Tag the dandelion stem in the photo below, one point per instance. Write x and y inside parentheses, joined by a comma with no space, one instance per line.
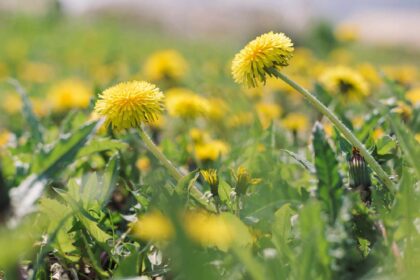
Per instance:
(173,171)
(374,165)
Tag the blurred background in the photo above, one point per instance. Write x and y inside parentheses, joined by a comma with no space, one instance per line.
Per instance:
(390,22)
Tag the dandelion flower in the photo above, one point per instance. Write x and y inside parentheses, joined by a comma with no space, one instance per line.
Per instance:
(167,64)
(129,104)
(267,113)
(209,229)
(296,122)
(153,226)
(186,104)
(345,82)
(243,180)
(211,150)
(211,177)
(69,94)
(5,137)
(413,96)
(270,51)
(143,164)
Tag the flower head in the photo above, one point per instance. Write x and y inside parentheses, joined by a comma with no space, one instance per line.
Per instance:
(243,180)
(413,96)
(166,64)
(186,104)
(346,82)
(296,122)
(267,113)
(210,151)
(69,94)
(211,178)
(253,63)
(153,226)
(129,104)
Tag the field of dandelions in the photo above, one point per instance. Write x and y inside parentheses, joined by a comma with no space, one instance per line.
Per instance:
(128,154)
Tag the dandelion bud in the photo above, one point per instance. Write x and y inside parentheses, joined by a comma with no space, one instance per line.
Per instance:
(211,178)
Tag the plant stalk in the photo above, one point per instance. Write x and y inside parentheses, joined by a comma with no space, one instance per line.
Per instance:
(173,171)
(374,165)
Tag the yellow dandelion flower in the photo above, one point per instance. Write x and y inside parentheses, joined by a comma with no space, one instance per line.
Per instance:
(417,137)
(402,74)
(210,151)
(240,119)
(143,164)
(296,122)
(153,226)
(186,104)
(243,180)
(346,82)
(167,64)
(404,110)
(217,109)
(211,177)
(209,229)
(369,72)
(378,133)
(198,135)
(260,56)
(267,113)
(413,96)
(69,94)
(129,104)
(5,137)
(12,103)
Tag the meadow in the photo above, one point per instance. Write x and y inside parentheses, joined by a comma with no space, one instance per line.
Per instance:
(134,154)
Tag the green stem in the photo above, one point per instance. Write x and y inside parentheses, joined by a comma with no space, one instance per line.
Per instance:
(173,171)
(374,165)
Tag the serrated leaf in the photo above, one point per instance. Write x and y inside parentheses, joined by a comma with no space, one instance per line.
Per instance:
(281,229)
(35,126)
(54,158)
(305,163)
(329,180)
(408,144)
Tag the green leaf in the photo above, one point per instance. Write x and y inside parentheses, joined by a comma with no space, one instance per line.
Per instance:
(330,185)
(35,126)
(99,145)
(305,163)
(282,229)
(186,182)
(408,144)
(385,145)
(109,179)
(224,192)
(55,158)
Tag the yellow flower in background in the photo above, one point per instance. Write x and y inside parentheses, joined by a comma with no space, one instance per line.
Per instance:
(403,74)
(217,109)
(12,103)
(198,135)
(296,122)
(328,128)
(346,82)
(130,104)
(347,33)
(153,226)
(253,63)
(240,119)
(417,137)
(209,229)
(143,164)
(5,137)
(69,94)
(166,64)
(413,96)
(210,151)
(369,72)
(378,133)
(186,104)
(404,110)
(267,113)
(358,121)
(36,72)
